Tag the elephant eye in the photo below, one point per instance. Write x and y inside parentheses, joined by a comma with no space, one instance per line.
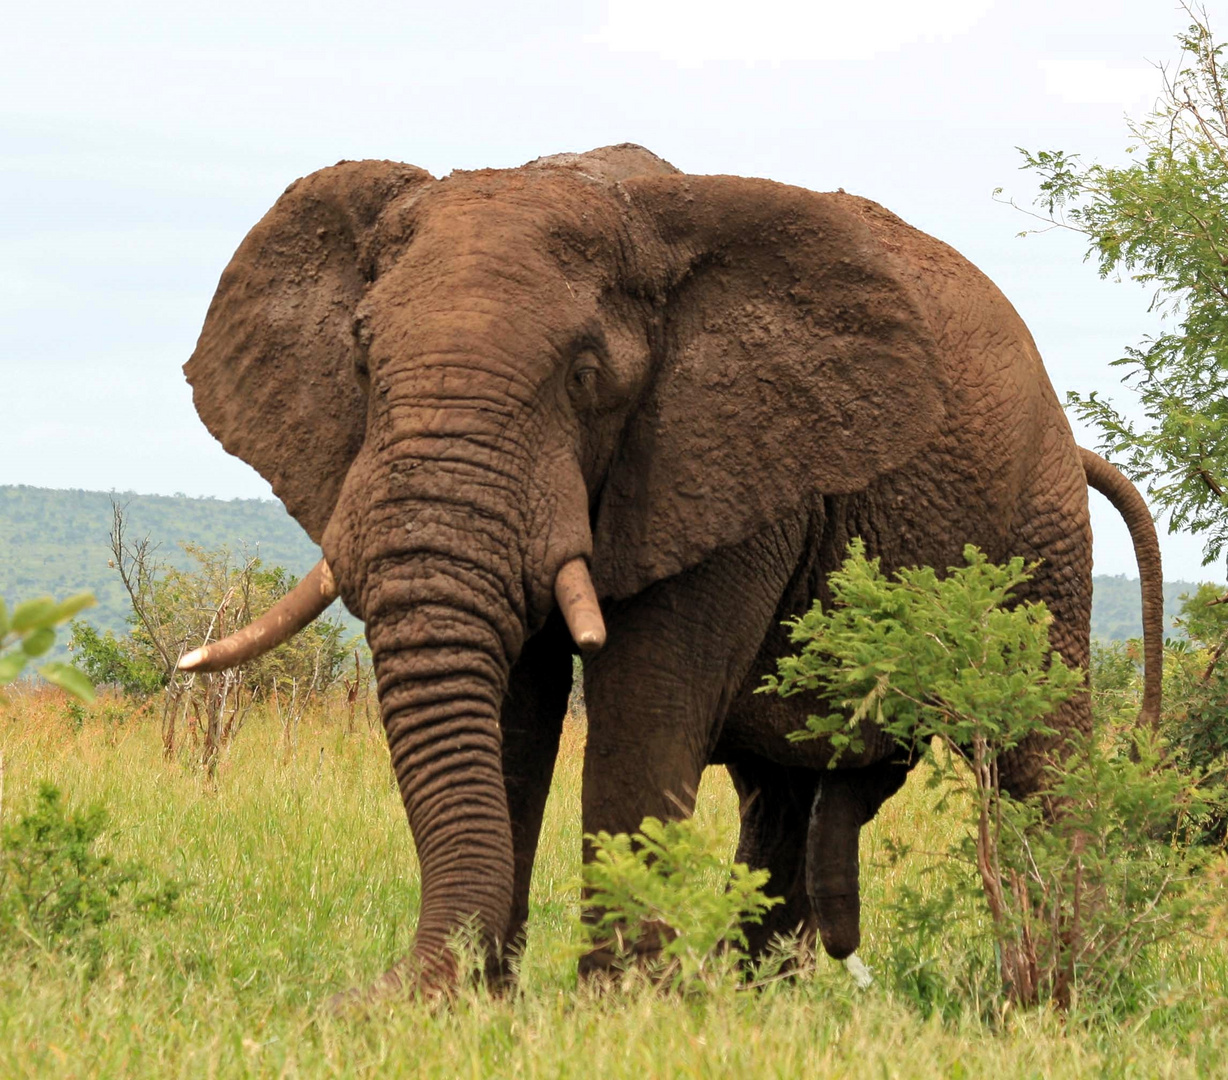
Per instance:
(582,385)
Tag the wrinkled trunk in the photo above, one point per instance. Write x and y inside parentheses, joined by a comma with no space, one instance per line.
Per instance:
(440,693)
(443,604)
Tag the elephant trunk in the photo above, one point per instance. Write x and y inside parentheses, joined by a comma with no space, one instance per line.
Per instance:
(440,554)
(442,670)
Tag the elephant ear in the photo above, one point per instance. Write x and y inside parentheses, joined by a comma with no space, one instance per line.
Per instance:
(793,361)
(273,371)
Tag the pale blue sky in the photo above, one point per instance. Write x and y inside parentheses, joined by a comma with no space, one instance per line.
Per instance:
(139,141)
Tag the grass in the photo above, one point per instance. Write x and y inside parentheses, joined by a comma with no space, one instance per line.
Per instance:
(301,881)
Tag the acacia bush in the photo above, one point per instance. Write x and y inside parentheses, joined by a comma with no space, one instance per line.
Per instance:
(957,673)
(57,891)
(176,609)
(1162,219)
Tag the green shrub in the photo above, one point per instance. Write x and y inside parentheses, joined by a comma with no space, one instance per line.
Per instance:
(1079,880)
(1196,702)
(108,660)
(30,633)
(56,889)
(672,884)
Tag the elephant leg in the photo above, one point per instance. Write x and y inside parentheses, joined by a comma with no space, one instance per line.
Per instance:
(775,804)
(846,799)
(656,695)
(531,722)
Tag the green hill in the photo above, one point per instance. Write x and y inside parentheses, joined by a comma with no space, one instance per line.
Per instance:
(1117,607)
(56,542)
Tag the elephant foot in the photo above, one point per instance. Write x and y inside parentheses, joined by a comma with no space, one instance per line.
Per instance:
(404,982)
(617,955)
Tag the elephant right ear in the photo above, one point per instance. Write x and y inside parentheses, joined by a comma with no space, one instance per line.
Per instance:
(273,371)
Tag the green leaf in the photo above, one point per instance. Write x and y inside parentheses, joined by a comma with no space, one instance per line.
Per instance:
(66,609)
(68,678)
(37,642)
(33,614)
(4,619)
(11,665)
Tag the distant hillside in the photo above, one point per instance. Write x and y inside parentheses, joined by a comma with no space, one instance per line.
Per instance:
(56,542)
(1117,607)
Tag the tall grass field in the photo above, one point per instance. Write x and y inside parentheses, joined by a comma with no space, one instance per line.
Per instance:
(298,880)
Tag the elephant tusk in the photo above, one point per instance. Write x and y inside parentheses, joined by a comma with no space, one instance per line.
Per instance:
(280,623)
(573,589)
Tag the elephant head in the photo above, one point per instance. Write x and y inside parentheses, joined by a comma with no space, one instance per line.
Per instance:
(461,387)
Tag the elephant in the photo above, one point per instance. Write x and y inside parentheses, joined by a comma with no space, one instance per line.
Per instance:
(596,404)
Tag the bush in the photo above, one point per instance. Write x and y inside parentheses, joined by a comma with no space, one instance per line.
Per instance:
(175,610)
(1079,879)
(56,889)
(672,884)
(30,633)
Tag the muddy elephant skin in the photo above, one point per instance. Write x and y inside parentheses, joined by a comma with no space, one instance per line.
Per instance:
(704,387)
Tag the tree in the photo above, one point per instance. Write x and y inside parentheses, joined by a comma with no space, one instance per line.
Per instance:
(174,610)
(1163,220)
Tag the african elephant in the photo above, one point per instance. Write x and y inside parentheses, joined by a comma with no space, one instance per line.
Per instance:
(595,394)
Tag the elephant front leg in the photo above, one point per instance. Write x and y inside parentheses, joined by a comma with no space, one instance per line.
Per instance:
(659,691)
(531,722)
(846,800)
(644,757)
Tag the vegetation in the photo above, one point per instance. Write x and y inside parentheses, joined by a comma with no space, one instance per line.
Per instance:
(301,881)
(1163,220)
(30,633)
(175,610)
(673,880)
(1078,881)
(1117,610)
(56,891)
(57,542)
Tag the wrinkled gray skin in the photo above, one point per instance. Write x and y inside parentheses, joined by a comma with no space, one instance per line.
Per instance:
(706,386)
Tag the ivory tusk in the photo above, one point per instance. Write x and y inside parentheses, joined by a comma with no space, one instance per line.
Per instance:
(280,623)
(573,589)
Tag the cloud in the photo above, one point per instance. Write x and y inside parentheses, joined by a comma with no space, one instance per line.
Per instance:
(691,33)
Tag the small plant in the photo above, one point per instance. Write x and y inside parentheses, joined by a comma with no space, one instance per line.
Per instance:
(56,888)
(30,633)
(672,884)
(1079,878)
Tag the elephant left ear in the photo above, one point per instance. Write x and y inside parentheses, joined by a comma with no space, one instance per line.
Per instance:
(793,361)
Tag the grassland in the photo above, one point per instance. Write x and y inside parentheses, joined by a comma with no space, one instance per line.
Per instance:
(301,881)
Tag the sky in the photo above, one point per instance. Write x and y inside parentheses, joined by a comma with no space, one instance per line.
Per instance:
(139,141)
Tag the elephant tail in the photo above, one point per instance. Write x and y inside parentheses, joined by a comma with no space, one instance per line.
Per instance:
(1115,487)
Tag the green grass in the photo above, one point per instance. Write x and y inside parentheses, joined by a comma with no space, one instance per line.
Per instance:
(302,882)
